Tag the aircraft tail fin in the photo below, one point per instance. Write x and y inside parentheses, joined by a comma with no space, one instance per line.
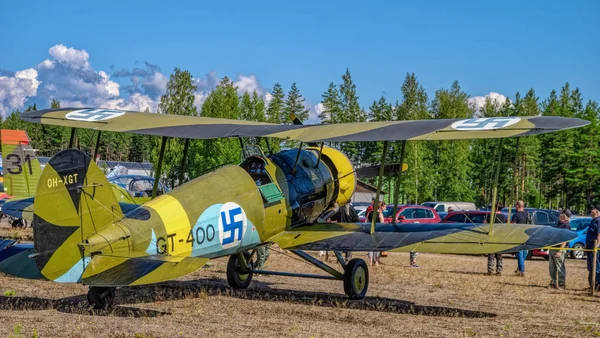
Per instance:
(20,165)
(74,200)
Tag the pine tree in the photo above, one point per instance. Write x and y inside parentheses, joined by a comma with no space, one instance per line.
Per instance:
(332,105)
(178,100)
(454,184)
(222,102)
(275,111)
(294,104)
(351,112)
(246,107)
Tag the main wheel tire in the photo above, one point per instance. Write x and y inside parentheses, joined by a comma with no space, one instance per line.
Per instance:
(101,298)
(236,278)
(577,252)
(356,279)
(529,255)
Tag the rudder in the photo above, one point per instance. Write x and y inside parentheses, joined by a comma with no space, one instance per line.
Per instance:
(73,201)
(20,165)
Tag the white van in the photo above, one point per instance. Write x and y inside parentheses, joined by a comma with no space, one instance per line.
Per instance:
(443,206)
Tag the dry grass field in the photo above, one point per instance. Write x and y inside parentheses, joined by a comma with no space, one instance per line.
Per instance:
(449,296)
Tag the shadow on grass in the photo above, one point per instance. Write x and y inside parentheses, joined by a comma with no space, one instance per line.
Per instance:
(74,305)
(205,288)
(262,291)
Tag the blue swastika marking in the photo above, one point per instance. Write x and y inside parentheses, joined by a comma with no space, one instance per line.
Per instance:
(484,123)
(93,114)
(231,225)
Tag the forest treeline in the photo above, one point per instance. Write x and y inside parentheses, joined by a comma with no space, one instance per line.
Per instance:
(555,170)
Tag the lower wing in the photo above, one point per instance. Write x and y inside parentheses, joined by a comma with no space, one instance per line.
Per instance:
(438,237)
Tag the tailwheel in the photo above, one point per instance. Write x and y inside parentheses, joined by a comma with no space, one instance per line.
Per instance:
(238,275)
(356,279)
(101,298)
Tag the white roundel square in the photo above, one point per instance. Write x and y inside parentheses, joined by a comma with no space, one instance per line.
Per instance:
(485,123)
(93,115)
(232,225)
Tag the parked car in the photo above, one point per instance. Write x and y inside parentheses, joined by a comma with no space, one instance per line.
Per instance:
(467,217)
(360,207)
(580,226)
(443,206)
(408,214)
(539,216)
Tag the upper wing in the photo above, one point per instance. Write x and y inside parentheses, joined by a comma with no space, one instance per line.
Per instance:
(196,127)
(439,238)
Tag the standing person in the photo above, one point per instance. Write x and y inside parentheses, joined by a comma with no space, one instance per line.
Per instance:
(497,257)
(346,214)
(369,211)
(520,217)
(262,254)
(593,235)
(558,270)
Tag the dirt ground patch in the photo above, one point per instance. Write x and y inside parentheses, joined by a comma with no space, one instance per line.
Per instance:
(448,296)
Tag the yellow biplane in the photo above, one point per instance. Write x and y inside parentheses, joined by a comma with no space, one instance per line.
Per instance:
(82,235)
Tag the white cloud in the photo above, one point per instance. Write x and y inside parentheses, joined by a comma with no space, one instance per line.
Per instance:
(249,84)
(15,90)
(73,57)
(479,101)
(313,115)
(68,76)
(268,98)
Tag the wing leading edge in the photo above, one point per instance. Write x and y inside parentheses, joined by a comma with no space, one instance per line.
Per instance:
(434,238)
(196,127)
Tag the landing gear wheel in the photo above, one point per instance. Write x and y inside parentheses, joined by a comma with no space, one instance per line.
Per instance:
(356,279)
(236,276)
(101,298)
(529,255)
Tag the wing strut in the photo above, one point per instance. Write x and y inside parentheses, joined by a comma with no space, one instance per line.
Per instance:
(186,148)
(158,172)
(495,189)
(97,146)
(72,138)
(379,183)
(397,185)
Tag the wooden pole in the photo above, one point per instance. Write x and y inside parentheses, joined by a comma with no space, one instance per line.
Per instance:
(593,286)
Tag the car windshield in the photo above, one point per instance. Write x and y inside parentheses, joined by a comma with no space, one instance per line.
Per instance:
(429,205)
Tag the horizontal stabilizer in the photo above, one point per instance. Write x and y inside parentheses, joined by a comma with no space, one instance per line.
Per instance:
(138,269)
(15,260)
(19,208)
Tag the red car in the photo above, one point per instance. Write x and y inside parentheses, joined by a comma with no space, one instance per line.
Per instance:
(408,214)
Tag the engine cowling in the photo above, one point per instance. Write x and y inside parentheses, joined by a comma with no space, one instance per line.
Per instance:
(316,182)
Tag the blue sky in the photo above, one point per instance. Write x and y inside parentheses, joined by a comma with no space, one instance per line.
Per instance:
(500,47)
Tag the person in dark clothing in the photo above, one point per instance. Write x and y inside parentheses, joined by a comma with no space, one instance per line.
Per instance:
(346,214)
(556,258)
(592,239)
(497,257)
(520,217)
